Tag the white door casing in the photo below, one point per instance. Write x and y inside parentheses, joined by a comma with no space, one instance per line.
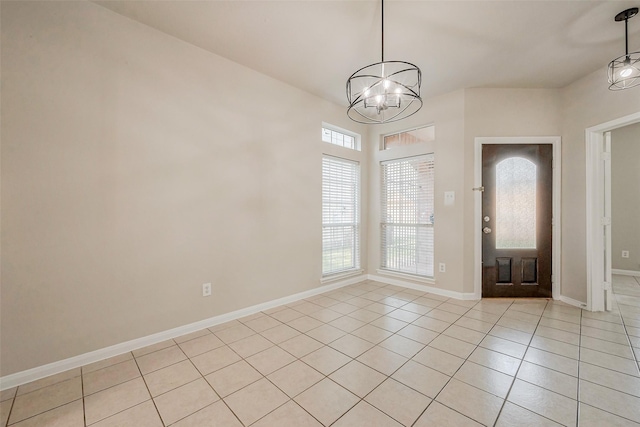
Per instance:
(556,237)
(598,211)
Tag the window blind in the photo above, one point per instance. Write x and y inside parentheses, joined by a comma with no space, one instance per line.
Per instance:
(340,215)
(407,215)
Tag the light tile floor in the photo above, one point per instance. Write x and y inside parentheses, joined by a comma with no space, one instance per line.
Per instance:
(365,355)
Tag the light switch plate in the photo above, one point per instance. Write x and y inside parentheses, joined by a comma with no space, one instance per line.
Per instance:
(449,198)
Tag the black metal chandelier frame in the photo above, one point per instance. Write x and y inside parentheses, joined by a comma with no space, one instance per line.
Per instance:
(375,97)
(624,71)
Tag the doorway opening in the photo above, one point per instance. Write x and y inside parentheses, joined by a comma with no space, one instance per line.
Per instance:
(554,142)
(598,233)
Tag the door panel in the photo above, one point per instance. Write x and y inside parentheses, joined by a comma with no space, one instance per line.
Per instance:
(517,219)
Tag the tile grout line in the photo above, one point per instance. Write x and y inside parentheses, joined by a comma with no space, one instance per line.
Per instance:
(265,376)
(346,333)
(451,376)
(624,325)
(147,386)
(579,380)
(13,401)
(81,376)
(362,399)
(399,367)
(84,409)
(325,376)
(521,360)
(515,376)
(123,362)
(580,362)
(353,359)
(110,387)
(220,398)
(43,412)
(209,384)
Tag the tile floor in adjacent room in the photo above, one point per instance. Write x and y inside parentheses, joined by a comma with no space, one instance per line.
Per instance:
(365,355)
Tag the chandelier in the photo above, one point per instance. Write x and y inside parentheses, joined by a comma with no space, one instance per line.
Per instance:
(624,71)
(386,91)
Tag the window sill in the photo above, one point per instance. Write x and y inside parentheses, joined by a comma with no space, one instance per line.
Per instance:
(421,279)
(342,275)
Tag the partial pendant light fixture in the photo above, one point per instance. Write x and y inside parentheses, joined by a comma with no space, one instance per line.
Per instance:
(384,92)
(624,71)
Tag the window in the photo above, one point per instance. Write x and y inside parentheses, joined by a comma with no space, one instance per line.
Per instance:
(415,136)
(407,215)
(340,215)
(340,138)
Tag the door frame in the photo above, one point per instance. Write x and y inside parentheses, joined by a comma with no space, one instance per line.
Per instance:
(596,192)
(555,141)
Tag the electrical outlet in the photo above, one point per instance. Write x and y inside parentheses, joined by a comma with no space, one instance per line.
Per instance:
(625,254)
(206,290)
(442,267)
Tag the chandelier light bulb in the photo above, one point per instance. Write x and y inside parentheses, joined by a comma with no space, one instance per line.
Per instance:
(387,83)
(626,72)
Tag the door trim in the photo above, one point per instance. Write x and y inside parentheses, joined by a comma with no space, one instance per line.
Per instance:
(555,225)
(595,244)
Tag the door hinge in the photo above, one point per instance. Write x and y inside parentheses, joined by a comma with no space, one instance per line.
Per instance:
(480,189)
(607,286)
(606,220)
(552,278)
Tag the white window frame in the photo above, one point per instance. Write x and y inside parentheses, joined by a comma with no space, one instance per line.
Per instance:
(355,224)
(383,141)
(338,130)
(426,223)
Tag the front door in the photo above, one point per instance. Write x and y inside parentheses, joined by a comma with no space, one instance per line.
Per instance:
(517,219)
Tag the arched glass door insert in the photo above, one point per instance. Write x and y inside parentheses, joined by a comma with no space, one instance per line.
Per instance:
(515,225)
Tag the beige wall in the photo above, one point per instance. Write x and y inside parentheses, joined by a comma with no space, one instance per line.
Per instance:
(447,114)
(625,197)
(585,103)
(501,113)
(136,167)
(505,112)
(459,118)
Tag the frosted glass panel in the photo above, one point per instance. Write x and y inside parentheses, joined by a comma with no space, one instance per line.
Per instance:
(515,225)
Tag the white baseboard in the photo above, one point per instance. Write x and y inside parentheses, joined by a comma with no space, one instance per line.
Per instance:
(423,288)
(573,302)
(23,377)
(625,272)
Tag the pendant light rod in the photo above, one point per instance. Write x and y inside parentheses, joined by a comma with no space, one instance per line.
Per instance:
(626,35)
(626,15)
(382,26)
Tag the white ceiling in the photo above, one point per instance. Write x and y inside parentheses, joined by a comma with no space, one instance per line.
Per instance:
(317,45)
